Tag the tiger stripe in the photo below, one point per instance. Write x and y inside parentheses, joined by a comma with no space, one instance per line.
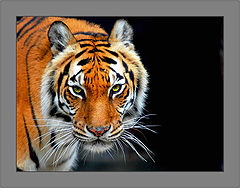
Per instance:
(30,99)
(33,155)
(37,23)
(19,32)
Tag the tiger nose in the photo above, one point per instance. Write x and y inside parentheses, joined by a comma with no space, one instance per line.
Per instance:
(99,130)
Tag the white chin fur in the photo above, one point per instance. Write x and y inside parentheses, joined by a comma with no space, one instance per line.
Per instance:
(97,147)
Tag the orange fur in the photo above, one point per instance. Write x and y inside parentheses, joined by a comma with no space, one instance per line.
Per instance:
(37,59)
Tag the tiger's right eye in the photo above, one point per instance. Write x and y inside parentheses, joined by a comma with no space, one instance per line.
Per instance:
(77,89)
(116,88)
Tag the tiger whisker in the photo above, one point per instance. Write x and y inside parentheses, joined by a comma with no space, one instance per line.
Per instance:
(59,150)
(52,125)
(131,123)
(134,149)
(152,125)
(140,143)
(141,126)
(50,142)
(61,154)
(121,146)
(139,118)
(146,127)
(48,133)
(84,158)
(92,155)
(115,144)
(53,150)
(54,120)
(110,154)
(62,145)
(41,136)
(55,141)
(74,141)
(115,150)
(48,152)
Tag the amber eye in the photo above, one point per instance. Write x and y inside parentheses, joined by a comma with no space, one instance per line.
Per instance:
(77,89)
(116,88)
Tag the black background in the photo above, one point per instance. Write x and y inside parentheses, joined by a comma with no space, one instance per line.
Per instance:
(182,57)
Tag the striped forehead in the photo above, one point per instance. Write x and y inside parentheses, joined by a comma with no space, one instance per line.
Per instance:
(100,68)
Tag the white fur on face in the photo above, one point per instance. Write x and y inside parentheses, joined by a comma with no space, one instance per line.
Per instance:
(97,147)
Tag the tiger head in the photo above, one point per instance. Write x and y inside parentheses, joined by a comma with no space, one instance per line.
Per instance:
(96,84)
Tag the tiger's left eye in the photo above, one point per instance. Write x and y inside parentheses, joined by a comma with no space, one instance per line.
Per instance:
(77,89)
(116,88)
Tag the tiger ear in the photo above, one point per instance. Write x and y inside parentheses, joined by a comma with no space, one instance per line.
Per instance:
(122,32)
(60,37)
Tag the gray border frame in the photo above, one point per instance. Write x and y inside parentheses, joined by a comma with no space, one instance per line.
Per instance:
(228,8)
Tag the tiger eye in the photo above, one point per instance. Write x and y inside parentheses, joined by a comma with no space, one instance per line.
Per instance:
(116,88)
(77,89)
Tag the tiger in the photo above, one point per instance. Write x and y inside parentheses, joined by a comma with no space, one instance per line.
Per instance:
(77,88)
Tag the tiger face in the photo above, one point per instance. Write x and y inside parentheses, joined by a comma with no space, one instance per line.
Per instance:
(95,83)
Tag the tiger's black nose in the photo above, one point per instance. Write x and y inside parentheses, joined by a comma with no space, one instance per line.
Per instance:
(99,130)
